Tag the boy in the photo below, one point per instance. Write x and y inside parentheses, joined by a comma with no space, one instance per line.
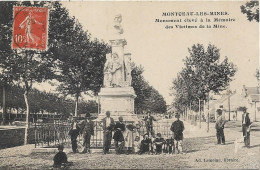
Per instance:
(169,146)
(60,158)
(145,145)
(158,143)
(177,128)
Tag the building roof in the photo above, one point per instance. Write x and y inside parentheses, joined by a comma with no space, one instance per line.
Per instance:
(236,101)
(251,90)
(255,97)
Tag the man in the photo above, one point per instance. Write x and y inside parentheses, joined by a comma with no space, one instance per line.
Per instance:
(87,131)
(246,125)
(220,122)
(118,135)
(177,128)
(149,123)
(74,132)
(108,125)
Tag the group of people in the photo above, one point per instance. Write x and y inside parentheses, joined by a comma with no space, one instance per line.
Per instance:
(246,127)
(126,138)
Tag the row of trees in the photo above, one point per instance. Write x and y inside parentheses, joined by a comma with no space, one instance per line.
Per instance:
(147,98)
(44,102)
(203,72)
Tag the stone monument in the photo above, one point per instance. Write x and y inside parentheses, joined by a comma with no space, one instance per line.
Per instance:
(117,94)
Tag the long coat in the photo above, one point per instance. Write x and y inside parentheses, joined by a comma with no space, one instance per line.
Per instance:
(119,129)
(129,138)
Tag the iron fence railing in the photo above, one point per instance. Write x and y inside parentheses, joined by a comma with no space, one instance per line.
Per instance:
(57,132)
(51,133)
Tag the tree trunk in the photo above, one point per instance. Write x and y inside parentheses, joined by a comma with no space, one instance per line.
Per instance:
(76,105)
(4,106)
(208,114)
(27,116)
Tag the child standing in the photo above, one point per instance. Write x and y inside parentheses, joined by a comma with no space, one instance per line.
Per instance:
(129,138)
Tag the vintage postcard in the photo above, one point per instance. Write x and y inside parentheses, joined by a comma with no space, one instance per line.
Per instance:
(129,85)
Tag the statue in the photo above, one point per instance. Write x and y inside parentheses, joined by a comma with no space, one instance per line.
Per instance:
(128,69)
(108,71)
(117,78)
(117,24)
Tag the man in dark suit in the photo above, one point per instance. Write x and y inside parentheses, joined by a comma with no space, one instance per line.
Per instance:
(149,123)
(177,128)
(219,126)
(87,130)
(74,132)
(246,124)
(108,126)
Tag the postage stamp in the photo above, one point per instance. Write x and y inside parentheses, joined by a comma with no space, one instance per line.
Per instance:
(30,28)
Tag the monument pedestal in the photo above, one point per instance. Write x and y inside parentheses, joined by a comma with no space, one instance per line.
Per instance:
(119,101)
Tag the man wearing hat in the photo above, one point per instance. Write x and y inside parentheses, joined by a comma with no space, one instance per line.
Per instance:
(108,126)
(177,128)
(87,131)
(149,123)
(246,125)
(74,132)
(220,122)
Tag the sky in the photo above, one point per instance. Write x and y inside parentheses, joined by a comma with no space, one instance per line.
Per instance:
(161,51)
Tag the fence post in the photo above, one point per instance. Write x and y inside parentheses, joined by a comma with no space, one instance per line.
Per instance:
(54,132)
(48,139)
(35,134)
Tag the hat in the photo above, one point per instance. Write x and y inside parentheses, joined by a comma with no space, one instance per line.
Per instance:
(87,115)
(243,109)
(145,134)
(219,111)
(60,147)
(130,127)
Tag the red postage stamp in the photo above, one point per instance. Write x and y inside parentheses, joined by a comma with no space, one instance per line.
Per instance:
(30,28)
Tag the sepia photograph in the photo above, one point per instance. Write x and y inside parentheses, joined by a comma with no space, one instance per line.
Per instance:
(129,84)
